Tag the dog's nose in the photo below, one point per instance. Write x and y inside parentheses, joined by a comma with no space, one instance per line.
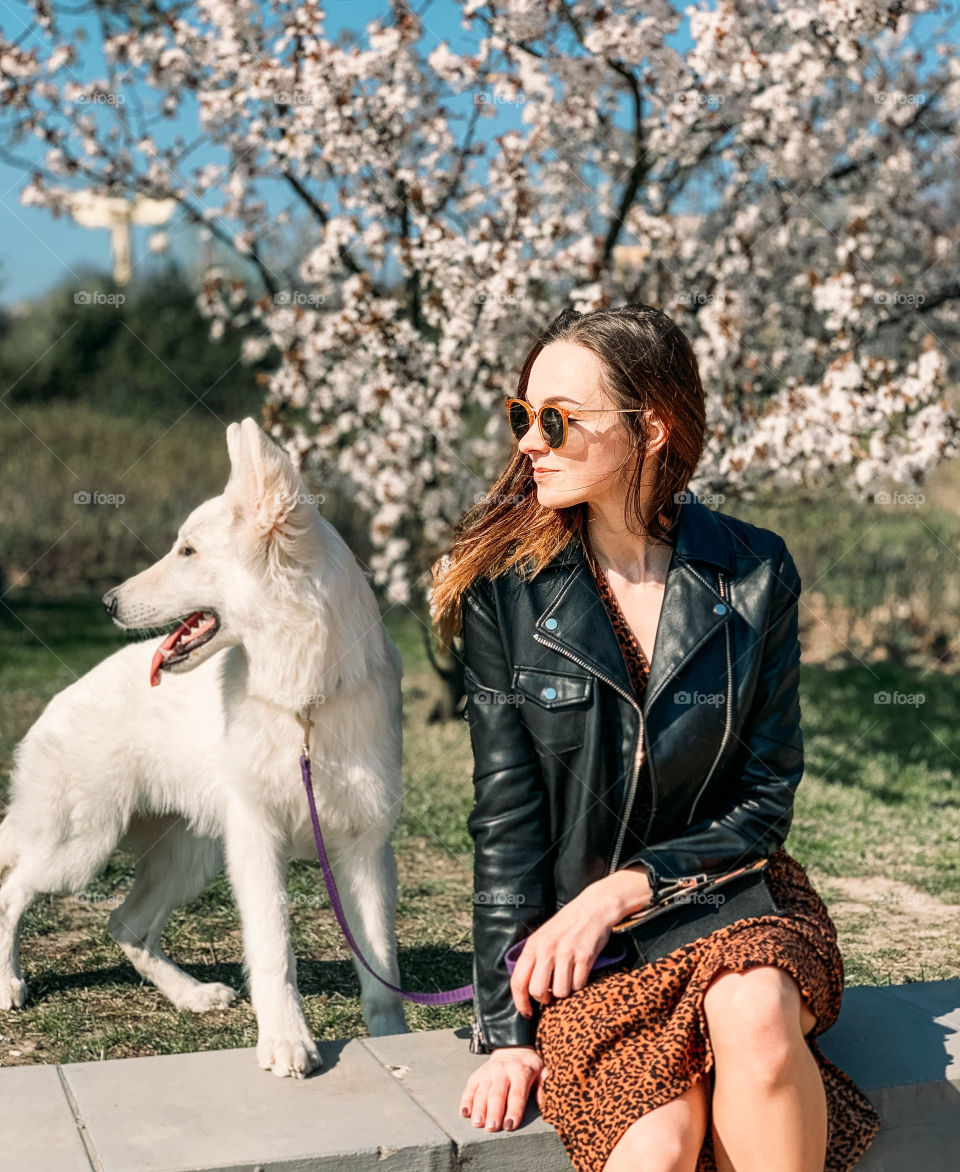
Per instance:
(110,602)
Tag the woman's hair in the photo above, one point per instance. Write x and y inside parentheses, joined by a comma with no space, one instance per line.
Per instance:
(646,361)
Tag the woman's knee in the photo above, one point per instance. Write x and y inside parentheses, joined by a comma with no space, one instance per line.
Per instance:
(668,1138)
(757,1013)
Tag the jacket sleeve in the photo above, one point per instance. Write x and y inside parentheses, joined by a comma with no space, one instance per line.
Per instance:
(508,824)
(758,822)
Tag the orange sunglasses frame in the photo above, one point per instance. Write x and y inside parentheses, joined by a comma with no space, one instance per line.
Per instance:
(565,413)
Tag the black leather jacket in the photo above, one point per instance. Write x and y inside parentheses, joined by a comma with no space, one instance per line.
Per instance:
(558,737)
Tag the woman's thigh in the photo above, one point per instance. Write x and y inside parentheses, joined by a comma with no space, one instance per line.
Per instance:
(668,1138)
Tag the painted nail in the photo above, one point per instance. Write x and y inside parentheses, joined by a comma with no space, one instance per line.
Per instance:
(508,1124)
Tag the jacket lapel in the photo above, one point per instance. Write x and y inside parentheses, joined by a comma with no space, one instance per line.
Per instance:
(577,625)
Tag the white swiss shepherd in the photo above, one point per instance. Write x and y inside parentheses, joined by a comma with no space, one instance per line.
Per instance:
(279,616)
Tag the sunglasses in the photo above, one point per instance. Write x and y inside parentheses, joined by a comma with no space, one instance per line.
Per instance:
(552,420)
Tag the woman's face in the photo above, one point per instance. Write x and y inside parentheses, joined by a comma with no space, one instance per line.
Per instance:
(596,462)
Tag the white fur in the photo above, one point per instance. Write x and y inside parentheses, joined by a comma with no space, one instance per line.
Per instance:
(205,766)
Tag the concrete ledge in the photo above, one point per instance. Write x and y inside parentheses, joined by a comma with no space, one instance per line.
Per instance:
(391,1103)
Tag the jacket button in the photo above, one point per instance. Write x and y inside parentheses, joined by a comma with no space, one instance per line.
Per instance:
(550,693)
(719,609)
(551,624)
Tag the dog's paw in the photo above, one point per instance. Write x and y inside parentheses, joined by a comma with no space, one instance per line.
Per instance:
(203,998)
(292,1058)
(13,993)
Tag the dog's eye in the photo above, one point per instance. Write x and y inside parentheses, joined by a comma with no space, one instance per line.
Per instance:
(186,550)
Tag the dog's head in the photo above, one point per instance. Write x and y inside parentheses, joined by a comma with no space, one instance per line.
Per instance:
(227,563)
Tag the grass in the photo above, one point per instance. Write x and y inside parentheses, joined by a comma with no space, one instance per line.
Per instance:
(876,824)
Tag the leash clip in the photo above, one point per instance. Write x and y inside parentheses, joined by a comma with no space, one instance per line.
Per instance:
(306,724)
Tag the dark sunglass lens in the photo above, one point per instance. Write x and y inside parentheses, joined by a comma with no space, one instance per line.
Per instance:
(552,426)
(519,420)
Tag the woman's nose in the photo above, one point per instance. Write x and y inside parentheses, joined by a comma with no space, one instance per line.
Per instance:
(532,440)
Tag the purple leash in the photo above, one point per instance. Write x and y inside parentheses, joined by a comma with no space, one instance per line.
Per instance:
(450,996)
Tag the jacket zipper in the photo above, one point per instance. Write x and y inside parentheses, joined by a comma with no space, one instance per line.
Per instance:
(478,1043)
(729,720)
(639,751)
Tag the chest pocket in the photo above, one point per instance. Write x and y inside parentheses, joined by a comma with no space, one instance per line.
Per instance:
(554,706)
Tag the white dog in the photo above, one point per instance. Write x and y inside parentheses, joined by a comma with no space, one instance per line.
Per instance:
(279,618)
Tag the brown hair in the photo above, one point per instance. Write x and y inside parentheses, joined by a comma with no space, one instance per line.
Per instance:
(645,361)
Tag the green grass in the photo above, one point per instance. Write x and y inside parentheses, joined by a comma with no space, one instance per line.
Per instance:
(877,811)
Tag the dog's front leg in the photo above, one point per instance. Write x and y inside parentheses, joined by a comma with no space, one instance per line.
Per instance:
(256,865)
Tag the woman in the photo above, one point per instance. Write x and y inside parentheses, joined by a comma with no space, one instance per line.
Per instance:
(631,664)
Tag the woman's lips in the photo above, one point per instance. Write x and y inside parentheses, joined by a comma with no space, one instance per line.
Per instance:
(544,471)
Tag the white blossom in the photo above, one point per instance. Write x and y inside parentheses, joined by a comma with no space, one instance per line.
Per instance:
(783,218)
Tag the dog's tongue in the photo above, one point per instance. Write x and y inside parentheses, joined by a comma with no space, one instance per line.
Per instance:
(166,647)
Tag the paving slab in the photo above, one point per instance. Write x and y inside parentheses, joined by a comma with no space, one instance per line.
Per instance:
(37,1124)
(885,1037)
(392,1103)
(940,1000)
(218,1110)
(901,1045)
(433,1068)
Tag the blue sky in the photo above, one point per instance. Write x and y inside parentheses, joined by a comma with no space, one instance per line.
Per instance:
(38,251)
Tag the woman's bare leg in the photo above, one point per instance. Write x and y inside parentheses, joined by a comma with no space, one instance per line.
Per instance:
(769,1108)
(666,1139)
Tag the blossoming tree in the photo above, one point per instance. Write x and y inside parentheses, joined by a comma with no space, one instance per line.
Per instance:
(768,174)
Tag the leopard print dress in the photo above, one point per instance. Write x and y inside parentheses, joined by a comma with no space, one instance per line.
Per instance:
(630,1041)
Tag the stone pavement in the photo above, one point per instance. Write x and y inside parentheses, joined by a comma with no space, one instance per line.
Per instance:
(390,1103)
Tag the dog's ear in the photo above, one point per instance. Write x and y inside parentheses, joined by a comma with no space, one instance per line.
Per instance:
(263,480)
(242,484)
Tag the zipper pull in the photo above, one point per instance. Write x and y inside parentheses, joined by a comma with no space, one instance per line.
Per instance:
(476,1038)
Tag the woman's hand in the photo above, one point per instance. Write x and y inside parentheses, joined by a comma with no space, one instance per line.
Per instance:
(497,1091)
(556,959)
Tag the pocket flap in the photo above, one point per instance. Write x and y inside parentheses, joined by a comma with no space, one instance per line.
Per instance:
(553,689)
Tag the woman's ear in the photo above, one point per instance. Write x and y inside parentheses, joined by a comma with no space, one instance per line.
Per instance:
(656,433)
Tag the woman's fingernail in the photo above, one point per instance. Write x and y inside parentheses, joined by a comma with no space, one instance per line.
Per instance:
(464,1112)
(508,1124)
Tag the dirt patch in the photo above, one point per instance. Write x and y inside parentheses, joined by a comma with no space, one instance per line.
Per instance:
(906,933)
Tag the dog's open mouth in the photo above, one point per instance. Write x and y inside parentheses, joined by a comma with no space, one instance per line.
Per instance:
(195,630)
